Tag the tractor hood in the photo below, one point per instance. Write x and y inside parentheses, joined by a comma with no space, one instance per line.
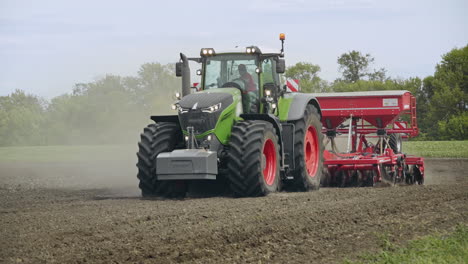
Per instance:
(205,100)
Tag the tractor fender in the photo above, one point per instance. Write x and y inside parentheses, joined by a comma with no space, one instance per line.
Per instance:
(276,124)
(166,118)
(299,104)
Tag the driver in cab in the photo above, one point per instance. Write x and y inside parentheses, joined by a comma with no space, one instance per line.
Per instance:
(247,78)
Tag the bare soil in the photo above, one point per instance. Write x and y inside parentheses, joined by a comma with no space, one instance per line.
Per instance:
(92,213)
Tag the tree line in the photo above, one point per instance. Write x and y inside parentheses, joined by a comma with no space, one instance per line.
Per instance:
(113,109)
(107,111)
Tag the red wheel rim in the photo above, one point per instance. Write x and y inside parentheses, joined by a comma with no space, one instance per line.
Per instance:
(269,154)
(311,151)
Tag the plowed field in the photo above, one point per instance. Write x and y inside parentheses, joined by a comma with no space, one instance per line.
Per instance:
(91,212)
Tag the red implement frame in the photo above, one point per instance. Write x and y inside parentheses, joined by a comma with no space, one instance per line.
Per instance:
(373,112)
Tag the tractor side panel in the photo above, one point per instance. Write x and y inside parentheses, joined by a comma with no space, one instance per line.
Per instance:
(284,103)
(225,122)
(293,105)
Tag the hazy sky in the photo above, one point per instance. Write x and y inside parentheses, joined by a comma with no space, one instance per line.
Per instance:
(47,46)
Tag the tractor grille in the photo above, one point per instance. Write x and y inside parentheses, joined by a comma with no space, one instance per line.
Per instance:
(192,114)
(200,121)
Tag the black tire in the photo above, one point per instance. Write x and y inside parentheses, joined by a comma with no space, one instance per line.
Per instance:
(157,138)
(418,177)
(369,180)
(341,177)
(355,179)
(325,179)
(409,176)
(246,161)
(302,180)
(396,143)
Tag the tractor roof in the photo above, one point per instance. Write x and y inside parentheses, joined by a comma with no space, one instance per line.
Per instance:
(242,50)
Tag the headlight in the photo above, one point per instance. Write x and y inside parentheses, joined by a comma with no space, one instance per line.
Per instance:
(252,50)
(207,52)
(177,107)
(212,108)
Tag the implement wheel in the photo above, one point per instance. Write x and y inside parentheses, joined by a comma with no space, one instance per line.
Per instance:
(418,177)
(395,142)
(369,178)
(308,152)
(409,176)
(157,138)
(253,159)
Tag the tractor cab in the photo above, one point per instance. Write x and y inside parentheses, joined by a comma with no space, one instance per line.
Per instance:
(253,72)
(239,71)
(250,73)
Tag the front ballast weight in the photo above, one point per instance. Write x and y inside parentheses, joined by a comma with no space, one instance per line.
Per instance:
(192,163)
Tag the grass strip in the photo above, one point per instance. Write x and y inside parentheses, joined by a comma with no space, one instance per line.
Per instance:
(437,149)
(449,249)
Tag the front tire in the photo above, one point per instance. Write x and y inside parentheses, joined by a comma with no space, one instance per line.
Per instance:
(157,138)
(253,159)
(308,151)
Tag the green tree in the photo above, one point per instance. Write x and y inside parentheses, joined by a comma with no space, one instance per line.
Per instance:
(21,117)
(354,66)
(155,85)
(112,109)
(447,94)
(456,127)
(378,75)
(99,112)
(307,74)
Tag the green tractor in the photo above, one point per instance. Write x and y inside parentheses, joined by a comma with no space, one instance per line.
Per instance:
(241,128)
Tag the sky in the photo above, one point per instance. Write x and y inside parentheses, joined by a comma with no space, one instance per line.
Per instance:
(47,46)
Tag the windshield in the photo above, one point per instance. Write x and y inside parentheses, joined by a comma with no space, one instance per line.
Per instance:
(232,70)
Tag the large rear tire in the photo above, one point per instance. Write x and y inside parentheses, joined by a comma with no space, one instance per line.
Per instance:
(157,138)
(253,159)
(308,152)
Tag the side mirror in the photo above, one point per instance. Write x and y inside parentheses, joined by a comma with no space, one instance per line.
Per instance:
(280,66)
(178,69)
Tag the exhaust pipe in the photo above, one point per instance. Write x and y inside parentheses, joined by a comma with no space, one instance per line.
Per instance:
(185,75)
